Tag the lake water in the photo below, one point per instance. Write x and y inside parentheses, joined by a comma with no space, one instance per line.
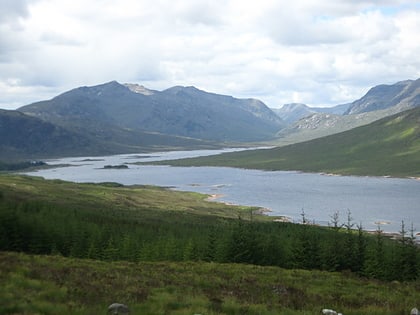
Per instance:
(370,199)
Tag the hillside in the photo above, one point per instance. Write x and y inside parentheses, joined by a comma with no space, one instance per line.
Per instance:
(390,146)
(178,111)
(319,125)
(24,136)
(404,94)
(162,251)
(306,123)
(293,112)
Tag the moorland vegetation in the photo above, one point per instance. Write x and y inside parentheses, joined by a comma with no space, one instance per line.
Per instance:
(167,252)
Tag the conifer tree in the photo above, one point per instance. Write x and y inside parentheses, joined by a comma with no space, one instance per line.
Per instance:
(405,262)
(375,263)
(110,252)
(333,255)
(210,253)
(242,245)
(349,250)
(360,249)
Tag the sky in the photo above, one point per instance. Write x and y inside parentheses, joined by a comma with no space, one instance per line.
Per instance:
(317,52)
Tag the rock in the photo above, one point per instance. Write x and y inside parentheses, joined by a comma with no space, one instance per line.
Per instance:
(118,308)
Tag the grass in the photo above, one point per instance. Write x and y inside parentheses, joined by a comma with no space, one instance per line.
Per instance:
(33,284)
(146,201)
(390,146)
(57,285)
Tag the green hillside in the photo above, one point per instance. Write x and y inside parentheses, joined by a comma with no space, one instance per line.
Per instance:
(390,146)
(54,285)
(168,252)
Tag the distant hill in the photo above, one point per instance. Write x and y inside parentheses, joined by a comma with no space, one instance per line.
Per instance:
(178,111)
(318,125)
(116,118)
(27,137)
(390,146)
(23,136)
(404,94)
(306,123)
(293,112)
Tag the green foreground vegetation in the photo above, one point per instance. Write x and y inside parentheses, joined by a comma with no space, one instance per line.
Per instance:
(168,252)
(32,284)
(390,146)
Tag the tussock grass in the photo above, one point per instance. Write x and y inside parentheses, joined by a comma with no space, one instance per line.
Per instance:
(57,285)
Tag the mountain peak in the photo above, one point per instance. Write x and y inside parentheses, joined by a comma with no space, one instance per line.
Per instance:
(139,89)
(404,93)
(99,87)
(178,111)
(179,88)
(109,84)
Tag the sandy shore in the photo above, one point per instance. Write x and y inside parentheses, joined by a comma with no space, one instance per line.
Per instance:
(214,197)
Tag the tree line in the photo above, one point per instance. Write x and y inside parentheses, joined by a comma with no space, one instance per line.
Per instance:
(44,228)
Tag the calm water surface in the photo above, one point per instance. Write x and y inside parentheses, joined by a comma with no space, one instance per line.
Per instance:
(370,199)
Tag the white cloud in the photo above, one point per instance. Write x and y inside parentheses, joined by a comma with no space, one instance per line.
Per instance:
(317,52)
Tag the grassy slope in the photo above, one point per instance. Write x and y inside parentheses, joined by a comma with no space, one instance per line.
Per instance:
(145,202)
(57,285)
(390,146)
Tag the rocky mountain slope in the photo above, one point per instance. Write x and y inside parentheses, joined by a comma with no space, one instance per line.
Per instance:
(404,94)
(318,125)
(293,112)
(179,111)
(308,123)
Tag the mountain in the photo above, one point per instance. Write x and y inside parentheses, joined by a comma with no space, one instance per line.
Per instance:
(306,123)
(318,125)
(389,146)
(180,111)
(404,94)
(26,137)
(23,136)
(336,110)
(293,112)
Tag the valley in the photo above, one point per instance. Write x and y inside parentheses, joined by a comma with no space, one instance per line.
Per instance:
(105,228)
(387,147)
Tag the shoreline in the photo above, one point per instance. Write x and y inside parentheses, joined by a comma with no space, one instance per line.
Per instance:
(285,219)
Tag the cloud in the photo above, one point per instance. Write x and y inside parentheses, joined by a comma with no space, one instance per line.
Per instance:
(12,10)
(317,52)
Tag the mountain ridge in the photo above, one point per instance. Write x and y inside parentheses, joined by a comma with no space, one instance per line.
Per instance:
(292,112)
(178,111)
(404,93)
(306,123)
(123,118)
